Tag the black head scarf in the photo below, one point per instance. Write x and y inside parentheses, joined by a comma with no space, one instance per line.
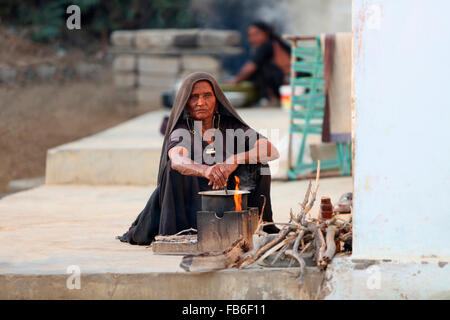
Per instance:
(269,30)
(180,103)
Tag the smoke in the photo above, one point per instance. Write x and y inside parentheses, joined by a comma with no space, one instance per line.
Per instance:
(238,15)
(247,175)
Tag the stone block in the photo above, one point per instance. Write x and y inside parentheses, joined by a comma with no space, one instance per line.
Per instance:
(7,75)
(88,70)
(125,79)
(123,38)
(154,38)
(46,71)
(154,64)
(187,38)
(218,38)
(199,63)
(157,80)
(124,62)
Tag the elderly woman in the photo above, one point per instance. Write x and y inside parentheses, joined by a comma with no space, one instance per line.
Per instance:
(206,144)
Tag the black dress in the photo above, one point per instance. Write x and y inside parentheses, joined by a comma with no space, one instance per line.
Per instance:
(267,75)
(174,203)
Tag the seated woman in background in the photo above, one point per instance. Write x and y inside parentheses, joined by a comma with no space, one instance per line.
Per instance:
(206,144)
(269,64)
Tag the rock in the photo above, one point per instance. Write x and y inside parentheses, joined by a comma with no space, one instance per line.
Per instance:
(87,70)
(123,38)
(218,38)
(7,75)
(68,73)
(46,71)
(61,53)
(124,62)
(29,74)
(148,64)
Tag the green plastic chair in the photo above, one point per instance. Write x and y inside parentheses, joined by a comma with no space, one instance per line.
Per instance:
(307,109)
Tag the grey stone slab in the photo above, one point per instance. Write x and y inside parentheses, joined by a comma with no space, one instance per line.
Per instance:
(179,51)
(46,71)
(123,38)
(8,74)
(186,40)
(154,38)
(125,62)
(218,38)
(162,65)
(125,79)
(197,62)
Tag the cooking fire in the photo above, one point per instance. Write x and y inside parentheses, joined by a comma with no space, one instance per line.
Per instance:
(237,195)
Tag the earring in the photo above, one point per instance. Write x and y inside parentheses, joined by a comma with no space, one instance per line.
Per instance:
(218,119)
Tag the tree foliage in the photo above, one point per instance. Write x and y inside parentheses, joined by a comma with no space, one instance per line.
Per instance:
(47,18)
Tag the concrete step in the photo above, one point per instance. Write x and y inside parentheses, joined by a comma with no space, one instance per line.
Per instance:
(251,284)
(128,154)
(125,154)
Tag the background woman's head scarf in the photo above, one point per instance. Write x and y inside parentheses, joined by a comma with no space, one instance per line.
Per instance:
(269,30)
(180,103)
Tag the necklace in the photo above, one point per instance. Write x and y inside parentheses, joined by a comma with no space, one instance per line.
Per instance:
(192,130)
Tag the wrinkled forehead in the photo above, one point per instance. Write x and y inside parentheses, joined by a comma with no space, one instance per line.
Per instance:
(202,86)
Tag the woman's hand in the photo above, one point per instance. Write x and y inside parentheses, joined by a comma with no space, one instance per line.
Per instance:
(218,174)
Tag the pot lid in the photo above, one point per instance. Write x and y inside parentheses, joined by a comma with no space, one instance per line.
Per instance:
(222,192)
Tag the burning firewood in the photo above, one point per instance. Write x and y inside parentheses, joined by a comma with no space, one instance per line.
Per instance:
(301,238)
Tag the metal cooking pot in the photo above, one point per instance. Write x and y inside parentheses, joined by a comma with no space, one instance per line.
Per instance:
(221,201)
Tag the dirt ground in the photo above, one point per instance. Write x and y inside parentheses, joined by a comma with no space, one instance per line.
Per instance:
(36,118)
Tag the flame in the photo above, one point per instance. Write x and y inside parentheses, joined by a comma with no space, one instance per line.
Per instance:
(237,197)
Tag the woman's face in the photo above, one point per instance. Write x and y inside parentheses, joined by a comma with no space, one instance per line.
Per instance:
(256,36)
(202,102)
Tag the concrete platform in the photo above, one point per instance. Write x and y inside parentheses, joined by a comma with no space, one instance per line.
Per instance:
(45,230)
